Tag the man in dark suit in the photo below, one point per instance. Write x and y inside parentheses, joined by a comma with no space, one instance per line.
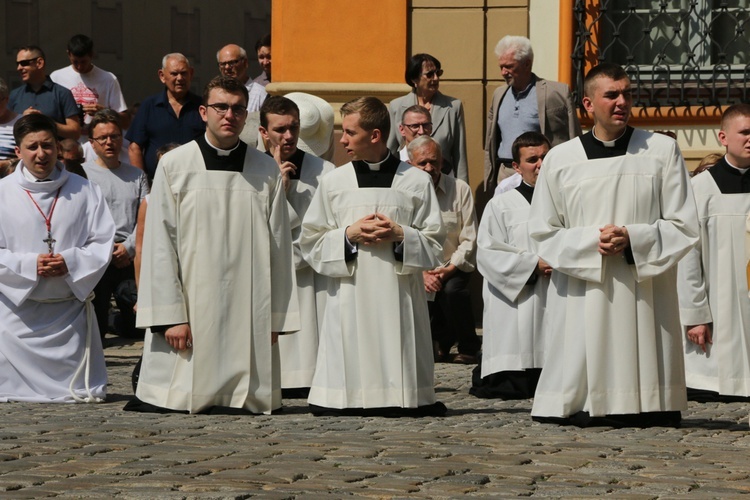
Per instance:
(533,104)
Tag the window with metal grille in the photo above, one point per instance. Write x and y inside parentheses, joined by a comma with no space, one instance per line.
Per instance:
(677,52)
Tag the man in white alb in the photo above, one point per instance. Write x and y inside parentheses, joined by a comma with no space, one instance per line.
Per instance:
(217,281)
(372,227)
(55,243)
(613,213)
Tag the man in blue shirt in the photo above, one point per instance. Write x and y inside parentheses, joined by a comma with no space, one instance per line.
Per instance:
(169,116)
(39,94)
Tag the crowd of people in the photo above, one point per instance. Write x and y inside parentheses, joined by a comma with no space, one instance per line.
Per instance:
(256,270)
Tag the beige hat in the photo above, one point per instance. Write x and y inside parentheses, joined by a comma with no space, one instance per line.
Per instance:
(316,123)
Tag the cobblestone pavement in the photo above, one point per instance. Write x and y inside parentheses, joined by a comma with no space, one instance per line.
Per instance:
(481,448)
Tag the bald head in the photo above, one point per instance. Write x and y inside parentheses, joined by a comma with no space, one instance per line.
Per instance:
(233,62)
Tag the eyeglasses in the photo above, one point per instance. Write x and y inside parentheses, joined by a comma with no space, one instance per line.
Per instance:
(102,140)
(414,127)
(230,64)
(431,74)
(27,62)
(221,108)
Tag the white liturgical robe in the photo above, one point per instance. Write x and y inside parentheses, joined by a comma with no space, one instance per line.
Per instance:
(47,344)
(375,343)
(217,254)
(513,309)
(299,351)
(713,289)
(614,327)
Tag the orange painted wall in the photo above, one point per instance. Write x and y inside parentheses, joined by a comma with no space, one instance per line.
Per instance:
(339,40)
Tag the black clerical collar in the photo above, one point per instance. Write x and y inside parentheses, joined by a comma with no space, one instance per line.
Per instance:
(382,178)
(296,159)
(217,159)
(526,190)
(729,179)
(596,149)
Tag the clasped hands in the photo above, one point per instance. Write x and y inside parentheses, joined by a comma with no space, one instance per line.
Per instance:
(49,265)
(613,240)
(373,229)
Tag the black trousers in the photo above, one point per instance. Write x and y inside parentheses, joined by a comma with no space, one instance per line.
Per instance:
(119,283)
(452,318)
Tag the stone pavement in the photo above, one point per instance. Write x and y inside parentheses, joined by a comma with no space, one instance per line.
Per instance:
(481,448)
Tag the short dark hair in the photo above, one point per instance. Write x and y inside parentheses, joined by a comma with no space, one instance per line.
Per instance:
(414,67)
(81,45)
(610,70)
(104,116)
(264,41)
(277,105)
(227,84)
(527,140)
(33,48)
(416,109)
(373,114)
(34,122)
(733,111)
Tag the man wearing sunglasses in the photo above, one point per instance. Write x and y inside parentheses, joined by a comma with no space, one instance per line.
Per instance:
(217,282)
(39,94)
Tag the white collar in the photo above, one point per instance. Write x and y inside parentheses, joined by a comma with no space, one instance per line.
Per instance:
(219,151)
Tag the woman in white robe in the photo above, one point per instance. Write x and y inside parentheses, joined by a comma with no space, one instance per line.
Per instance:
(50,348)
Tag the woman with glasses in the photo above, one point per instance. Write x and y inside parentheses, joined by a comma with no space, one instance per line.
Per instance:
(423,74)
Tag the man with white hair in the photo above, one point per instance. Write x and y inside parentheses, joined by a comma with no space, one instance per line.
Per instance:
(172,115)
(532,105)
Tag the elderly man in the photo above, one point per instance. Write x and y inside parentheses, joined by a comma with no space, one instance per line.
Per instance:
(612,213)
(39,94)
(217,281)
(372,227)
(123,187)
(300,173)
(93,88)
(415,122)
(233,62)
(714,304)
(526,103)
(451,316)
(55,243)
(169,116)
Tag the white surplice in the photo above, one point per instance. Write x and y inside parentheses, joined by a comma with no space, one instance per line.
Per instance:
(513,310)
(44,332)
(612,329)
(217,254)
(713,289)
(375,343)
(299,351)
